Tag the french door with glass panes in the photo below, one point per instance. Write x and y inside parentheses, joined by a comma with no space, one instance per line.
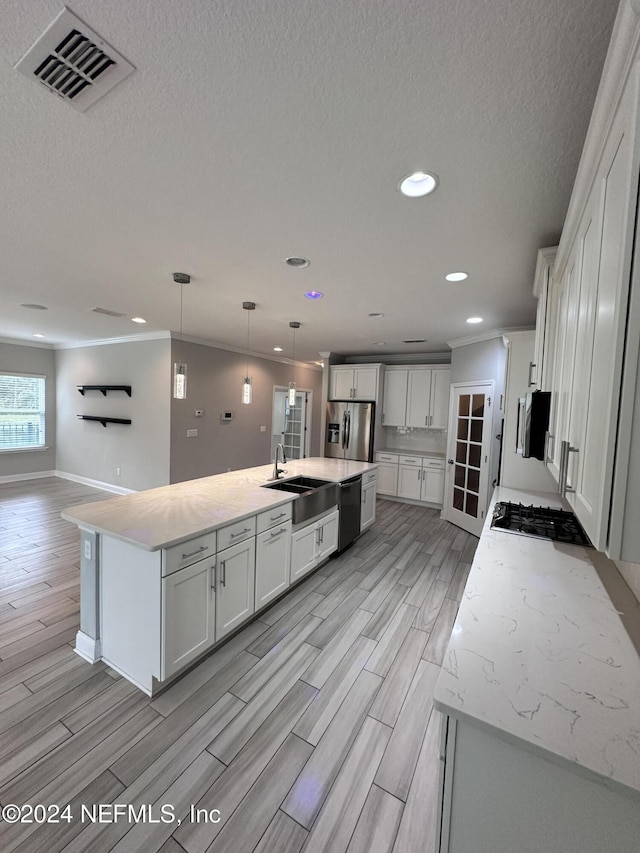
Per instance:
(470,416)
(290,427)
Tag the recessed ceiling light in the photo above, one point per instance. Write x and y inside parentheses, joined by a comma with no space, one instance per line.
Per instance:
(474,320)
(376,314)
(277,349)
(418,184)
(298,263)
(33,306)
(138,320)
(37,335)
(457,276)
(314,294)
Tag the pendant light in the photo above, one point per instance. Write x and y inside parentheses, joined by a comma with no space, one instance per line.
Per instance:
(292,385)
(246,382)
(179,367)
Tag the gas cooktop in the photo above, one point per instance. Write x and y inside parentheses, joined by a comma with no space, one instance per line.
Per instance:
(539,521)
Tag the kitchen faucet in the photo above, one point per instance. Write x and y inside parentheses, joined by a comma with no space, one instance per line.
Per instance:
(277,471)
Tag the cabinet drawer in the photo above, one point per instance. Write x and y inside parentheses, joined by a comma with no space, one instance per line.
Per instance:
(432,463)
(186,553)
(277,515)
(411,460)
(369,477)
(386,457)
(238,532)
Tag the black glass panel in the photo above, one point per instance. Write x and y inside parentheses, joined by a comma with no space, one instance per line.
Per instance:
(458,499)
(459,475)
(463,404)
(461,452)
(476,431)
(463,428)
(475,452)
(473,480)
(478,406)
(472,505)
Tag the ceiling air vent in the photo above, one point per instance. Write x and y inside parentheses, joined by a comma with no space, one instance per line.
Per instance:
(74,62)
(415,341)
(108,312)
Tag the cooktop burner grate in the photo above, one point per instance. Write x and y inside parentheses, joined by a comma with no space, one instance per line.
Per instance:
(541,522)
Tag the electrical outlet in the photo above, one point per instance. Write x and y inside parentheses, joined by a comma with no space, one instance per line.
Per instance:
(192,433)
(87,549)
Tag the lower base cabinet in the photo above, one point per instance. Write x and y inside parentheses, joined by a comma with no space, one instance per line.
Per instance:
(387,478)
(526,803)
(273,560)
(312,544)
(368,500)
(235,586)
(188,615)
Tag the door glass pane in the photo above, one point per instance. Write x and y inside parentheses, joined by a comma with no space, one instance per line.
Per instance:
(472,505)
(463,404)
(463,428)
(476,431)
(475,452)
(459,476)
(458,499)
(461,452)
(473,480)
(478,406)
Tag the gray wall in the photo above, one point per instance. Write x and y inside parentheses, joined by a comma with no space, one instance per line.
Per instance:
(141,450)
(28,359)
(475,362)
(214,380)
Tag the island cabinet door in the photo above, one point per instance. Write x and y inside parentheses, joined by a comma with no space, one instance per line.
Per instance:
(235,586)
(273,555)
(327,541)
(304,551)
(188,615)
(368,505)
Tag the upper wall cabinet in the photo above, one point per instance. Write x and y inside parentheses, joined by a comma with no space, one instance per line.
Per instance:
(592,318)
(362,382)
(416,396)
(539,367)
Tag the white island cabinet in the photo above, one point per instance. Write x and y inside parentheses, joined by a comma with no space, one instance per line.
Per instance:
(173,571)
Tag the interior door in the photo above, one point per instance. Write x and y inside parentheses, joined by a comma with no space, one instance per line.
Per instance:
(467,477)
(290,426)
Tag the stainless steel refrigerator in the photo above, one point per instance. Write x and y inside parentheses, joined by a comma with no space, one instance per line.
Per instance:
(349,430)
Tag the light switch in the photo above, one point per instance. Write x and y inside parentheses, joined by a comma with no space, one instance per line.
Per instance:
(192,433)
(87,549)
(263,428)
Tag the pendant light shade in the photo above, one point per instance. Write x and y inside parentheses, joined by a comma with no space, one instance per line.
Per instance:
(179,367)
(292,385)
(247,387)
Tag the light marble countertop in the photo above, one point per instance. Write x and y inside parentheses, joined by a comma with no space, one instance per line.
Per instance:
(159,518)
(432,454)
(539,655)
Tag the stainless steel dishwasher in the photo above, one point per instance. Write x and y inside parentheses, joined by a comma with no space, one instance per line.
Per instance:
(349,496)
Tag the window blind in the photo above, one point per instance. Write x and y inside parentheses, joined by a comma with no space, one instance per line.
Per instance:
(22,411)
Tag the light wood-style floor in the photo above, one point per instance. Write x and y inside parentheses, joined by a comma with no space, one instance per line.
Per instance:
(312,729)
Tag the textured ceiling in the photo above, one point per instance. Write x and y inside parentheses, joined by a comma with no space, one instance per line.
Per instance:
(257,129)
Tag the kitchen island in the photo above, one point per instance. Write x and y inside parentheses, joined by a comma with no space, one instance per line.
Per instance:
(540,692)
(168,573)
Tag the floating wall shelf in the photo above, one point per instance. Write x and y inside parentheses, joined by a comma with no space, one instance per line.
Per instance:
(104,421)
(105,388)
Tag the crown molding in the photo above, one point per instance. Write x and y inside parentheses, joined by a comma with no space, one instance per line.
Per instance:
(124,339)
(205,342)
(487,336)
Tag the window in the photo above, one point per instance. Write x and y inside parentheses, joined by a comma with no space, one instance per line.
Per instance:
(21,411)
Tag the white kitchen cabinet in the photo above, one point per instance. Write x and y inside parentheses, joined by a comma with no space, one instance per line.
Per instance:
(524,789)
(235,586)
(416,397)
(368,500)
(432,486)
(273,559)
(354,383)
(394,399)
(312,544)
(387,482)
(188,615)
(409,481)
(539,367)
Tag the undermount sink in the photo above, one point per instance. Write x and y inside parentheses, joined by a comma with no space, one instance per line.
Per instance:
(313,495)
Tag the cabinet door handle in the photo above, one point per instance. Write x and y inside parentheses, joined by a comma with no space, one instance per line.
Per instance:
(530,381)
(213,577)
(241,532)
(321,532)
(223,572)
(426,420)
(198,551)
(276,517)
(565,450)
(278,532)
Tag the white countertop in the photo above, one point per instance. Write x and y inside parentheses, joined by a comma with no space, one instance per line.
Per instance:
(539,655)
(432,454)
(159,518)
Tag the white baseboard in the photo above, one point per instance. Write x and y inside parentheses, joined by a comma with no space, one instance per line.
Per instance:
(35,475)
(88,648)
(97,484)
